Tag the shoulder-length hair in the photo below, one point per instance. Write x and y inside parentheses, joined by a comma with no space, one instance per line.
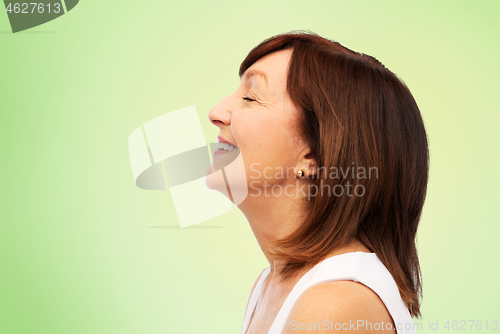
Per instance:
(356,116)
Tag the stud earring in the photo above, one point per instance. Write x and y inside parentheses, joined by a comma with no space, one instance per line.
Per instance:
(300,173)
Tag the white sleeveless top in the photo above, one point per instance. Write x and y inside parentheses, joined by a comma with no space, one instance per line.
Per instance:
(365,268)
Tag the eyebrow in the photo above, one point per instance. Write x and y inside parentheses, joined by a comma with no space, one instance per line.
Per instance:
(251,73)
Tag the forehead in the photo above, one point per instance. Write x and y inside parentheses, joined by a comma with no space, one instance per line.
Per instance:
(272,68)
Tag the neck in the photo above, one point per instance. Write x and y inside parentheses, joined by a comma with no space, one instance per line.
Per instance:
(272,218)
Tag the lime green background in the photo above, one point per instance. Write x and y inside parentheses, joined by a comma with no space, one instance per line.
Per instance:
(83,250)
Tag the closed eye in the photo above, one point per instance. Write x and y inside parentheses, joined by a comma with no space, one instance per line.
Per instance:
(248,99)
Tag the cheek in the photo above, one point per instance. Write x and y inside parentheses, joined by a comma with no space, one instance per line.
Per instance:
(251,132)
(264,140)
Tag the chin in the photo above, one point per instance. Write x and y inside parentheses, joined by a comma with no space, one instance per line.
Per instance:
(230,180)
(214,180)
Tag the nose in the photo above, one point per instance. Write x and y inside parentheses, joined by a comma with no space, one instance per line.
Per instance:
(220,115)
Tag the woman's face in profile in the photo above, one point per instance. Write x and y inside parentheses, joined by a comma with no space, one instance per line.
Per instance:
(260,119)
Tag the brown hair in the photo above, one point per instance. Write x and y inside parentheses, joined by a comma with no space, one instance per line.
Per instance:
(356,113)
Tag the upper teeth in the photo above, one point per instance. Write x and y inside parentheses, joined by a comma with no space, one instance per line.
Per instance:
(225,147)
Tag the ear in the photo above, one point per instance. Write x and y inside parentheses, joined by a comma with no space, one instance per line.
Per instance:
(307,162)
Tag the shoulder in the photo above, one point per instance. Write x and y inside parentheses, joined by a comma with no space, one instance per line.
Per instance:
(347,306)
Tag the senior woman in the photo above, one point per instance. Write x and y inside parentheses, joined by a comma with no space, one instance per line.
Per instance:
(335,160)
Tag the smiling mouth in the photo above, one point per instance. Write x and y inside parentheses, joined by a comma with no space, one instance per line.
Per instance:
(225,147)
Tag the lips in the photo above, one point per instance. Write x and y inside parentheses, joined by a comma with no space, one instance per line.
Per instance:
(224,146)
(221,139)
